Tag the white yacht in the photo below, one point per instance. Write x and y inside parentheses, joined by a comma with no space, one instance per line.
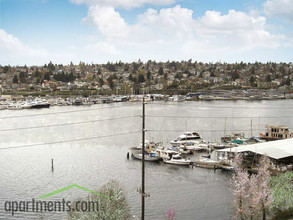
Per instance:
(187,137)
(178,161)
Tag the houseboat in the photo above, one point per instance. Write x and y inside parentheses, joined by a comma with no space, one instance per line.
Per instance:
(276,133)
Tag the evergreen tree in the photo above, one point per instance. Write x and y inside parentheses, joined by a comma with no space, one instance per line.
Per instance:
(149,75)
(15,79)
(141,78)
(161,71)
(287,82)
(111,83)
(268,78)
(235,75)
(47,76)
(101,81)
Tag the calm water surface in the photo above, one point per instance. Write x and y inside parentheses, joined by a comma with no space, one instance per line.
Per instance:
(25,173)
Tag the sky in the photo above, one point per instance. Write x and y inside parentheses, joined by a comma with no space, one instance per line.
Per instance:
(35,32)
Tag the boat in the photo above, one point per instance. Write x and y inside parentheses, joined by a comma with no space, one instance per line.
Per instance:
(184,150)
(167,153)
(40,104)
(207,163)
(227,166)
(178,161)
(77,102)
(147,157)
(276,133)
(150,147)
(216,145)
(187,137)
(231,137)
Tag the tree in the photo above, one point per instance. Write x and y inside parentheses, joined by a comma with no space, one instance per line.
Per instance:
(165,76)
(252,80)
(140,78)
(15,79)
(99,71)
(282,192)
(101,81)
(149,75)
(6,69)
(112,204)
(235,75)
(170,213)
(51,66)
(252,193)
(268,78)
(263,192)
(287,82)
(161,71)
(47,76)
(240,179)
(111,83)
(22,77)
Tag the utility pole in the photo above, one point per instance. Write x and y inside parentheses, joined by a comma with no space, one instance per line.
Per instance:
(143,143)
(142,189)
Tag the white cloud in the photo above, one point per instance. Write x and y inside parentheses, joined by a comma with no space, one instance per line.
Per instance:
(236,30)
(173,32)
(101,48)
(107,21)
(124,3)
(279,8)
(15,52)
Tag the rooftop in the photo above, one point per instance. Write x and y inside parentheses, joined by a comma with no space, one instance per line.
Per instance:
(274,149)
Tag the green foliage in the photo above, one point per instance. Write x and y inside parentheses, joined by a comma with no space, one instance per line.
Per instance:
(149,75)
(141,78)
(51,66)
(268,78)
(15,79)
(111,83)
(287,82)
(22,77)
(101,81)
(113,208)
(282,186)
(161,71)
(64,77)
(235,75)
(47,76)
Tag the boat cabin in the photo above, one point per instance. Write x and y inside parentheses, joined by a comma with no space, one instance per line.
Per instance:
(276,133)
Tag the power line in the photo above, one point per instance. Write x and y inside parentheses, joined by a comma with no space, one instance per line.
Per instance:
(199,130)
(66,124)
(68,141)
(64,112)
(206,106)
(173,116)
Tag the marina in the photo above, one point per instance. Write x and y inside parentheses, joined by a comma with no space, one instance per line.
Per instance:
(90,162)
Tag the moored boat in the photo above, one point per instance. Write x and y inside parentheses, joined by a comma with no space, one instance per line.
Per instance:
(207,163)
(147,157)
(178,161)
(187,137)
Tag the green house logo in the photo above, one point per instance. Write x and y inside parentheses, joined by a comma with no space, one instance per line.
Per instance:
(69,187)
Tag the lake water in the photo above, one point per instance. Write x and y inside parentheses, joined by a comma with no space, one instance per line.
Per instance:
(25,172)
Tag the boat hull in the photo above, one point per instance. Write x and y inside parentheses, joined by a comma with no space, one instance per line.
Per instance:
(47,105)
